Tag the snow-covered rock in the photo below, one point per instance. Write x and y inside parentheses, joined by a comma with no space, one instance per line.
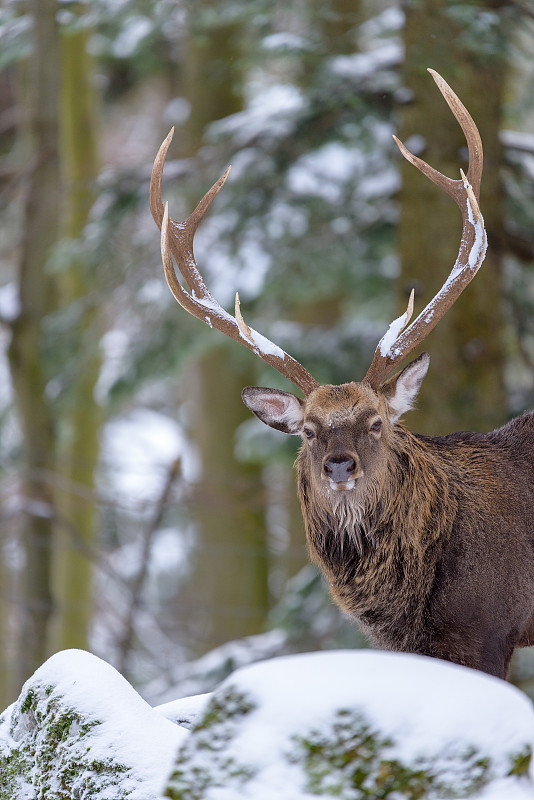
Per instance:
(358,724)
(79,730)
(187,711)
(345,724)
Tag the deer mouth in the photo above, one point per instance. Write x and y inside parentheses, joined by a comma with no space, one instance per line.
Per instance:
(344,486)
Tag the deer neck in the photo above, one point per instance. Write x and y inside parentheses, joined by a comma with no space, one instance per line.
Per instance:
(407,502)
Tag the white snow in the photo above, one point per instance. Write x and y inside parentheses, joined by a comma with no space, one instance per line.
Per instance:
(385,345)
(325,172)
(399,693)
(137,450)
(270,113)
(114,346)
(134,30)
(207,671)
(479,247)
(285,41)
(263,345)
(386,22)
(185,711)
(388,340)
(284,219)
(363,65)
(128,730)
(243,271)
(9,301)
(177,111)
(171,552)
(416,144)
(518,140)
(430,710)
(260,343)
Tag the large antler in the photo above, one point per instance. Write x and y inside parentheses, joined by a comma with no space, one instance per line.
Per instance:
(177,241)
(398,341)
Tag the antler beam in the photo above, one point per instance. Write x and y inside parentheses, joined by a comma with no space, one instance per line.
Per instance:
(399,340)
(177,241)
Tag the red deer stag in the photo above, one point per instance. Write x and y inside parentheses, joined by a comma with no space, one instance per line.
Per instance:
(427,541)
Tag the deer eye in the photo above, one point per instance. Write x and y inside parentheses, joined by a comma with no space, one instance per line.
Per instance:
(308,433)
(376,427)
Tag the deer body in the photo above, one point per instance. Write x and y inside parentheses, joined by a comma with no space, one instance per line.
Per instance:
(427,541)
(438,557)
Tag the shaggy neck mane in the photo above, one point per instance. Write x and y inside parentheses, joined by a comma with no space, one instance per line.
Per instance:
(352,519)
(352,524)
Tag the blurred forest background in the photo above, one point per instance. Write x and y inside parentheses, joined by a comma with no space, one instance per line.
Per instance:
(144,514)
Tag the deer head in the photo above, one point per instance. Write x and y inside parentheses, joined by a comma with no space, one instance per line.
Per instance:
(346,429)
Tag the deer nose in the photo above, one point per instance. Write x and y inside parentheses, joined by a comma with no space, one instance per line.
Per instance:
(339,468)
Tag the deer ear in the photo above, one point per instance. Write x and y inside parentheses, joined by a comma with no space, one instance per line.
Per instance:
(401,390)
(280,410)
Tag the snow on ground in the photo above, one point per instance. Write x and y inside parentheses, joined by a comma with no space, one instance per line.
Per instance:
(403,695)
(346,724)
(80,730)
(187,711)
(207,671)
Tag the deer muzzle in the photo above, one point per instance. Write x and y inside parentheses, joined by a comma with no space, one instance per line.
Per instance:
(341,470)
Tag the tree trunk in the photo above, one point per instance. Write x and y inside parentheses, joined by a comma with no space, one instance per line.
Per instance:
(81,419)
(27,351)
(464,387)
(212,76)
(226,596)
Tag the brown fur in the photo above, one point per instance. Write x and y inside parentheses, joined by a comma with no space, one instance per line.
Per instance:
(430,544)
(436,555)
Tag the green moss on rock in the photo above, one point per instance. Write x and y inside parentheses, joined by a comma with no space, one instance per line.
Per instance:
(319,725)
(79,731)
(521,762)
(346,759)
(49,758)
(351,759)
(203,761)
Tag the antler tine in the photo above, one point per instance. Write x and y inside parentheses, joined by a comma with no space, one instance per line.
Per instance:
(181,242)
(474,145)
(177,241)
(399,341)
